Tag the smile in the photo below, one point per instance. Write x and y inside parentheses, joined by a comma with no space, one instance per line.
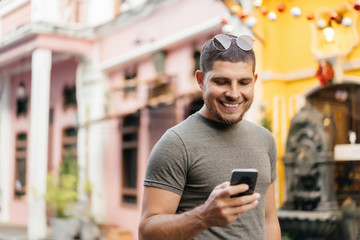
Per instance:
(231,105)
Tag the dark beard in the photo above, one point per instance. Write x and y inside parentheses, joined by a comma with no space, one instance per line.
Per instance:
(220,118)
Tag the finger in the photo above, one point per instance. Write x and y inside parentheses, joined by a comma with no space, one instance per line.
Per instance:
(235,189)
(222,185)
(244,200)
(227,192)
(240,210)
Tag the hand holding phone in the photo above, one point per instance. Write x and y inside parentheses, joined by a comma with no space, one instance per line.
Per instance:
(244,176)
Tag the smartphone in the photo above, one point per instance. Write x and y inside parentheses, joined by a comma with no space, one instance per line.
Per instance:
(244,175)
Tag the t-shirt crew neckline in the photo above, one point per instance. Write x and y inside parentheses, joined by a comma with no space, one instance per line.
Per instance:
(216,124)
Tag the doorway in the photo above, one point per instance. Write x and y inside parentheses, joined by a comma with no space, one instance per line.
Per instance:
(340,104)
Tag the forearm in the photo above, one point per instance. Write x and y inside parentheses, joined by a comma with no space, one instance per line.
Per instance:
(272,225)
(273,231)
(182,226)
(159,220)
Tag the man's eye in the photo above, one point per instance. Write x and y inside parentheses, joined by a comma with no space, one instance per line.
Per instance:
(245,82)
(220,82)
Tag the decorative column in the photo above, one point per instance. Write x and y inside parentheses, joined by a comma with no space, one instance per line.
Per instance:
(39,126)
(91,109)
(5,126)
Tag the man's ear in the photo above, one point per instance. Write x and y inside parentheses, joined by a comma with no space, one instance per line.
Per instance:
(255,77)
(199,78)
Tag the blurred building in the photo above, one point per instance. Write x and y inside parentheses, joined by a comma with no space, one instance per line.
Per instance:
(104,79)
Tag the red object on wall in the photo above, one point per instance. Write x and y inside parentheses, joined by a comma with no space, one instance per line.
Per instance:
(310,16)
(325,73)
(264,10)
(356,5)
(281,7)
(333,15)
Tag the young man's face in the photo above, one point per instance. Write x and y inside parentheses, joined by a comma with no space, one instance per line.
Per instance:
(228,91)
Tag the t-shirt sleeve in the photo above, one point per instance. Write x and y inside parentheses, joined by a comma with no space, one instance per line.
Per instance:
(166,167)
(273,158)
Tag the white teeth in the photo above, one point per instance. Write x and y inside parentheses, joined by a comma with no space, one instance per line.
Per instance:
(230,105)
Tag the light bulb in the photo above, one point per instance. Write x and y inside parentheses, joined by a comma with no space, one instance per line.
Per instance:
(257,3)
(329,34)
(228,29)
(346,21)
(321,24)
(250,21)
(272,16)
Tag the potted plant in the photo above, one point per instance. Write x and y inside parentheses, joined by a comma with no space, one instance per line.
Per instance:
(61,192)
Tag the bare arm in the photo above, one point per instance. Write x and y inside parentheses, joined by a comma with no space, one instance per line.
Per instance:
(271,220)
(159,221)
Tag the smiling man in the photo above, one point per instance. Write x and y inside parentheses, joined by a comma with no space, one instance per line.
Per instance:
(187,194)
(228,91)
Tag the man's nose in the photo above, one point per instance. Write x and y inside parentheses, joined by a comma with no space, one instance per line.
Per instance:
(233,91)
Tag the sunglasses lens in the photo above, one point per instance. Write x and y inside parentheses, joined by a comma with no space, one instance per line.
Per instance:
(222,42)
(245,42)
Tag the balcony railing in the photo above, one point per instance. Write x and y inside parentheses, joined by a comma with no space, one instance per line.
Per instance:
(15,18)
(16,13)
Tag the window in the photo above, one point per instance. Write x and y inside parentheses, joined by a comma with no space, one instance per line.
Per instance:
(197,60)
(21,106)
(20,165)
(69,94)
(129,159)
(69,141)
(21,100)
(159,60)
(130,81)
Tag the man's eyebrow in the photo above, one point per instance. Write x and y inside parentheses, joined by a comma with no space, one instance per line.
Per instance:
(226,78)
(246,78)
(220,77)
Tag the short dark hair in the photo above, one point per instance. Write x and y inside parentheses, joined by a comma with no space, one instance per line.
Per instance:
(209,54)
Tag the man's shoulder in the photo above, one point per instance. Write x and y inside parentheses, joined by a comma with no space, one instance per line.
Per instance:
(189,124)
(255,128)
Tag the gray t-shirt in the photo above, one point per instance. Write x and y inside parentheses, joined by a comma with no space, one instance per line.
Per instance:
(198,154)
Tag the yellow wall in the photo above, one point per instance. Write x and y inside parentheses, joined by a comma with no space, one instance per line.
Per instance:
(288,54)
(283,91)
(288,40)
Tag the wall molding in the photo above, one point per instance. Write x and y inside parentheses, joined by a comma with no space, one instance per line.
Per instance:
(308,73)
(292,76)
(160,44)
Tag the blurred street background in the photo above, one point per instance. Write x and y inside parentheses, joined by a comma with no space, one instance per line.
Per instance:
(87,87)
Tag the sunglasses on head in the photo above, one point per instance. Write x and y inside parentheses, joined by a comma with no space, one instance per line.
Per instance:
(222,42)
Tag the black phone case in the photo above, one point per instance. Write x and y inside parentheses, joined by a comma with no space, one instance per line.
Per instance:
(248,178)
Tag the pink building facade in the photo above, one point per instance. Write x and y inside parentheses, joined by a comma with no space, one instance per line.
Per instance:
(106,83)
